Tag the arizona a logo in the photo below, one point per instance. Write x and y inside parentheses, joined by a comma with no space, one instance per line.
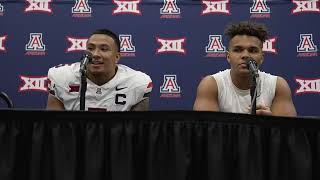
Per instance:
(259,9)
(170,9)
(127,49)
(306,46)
(35,46)
(81,9)
(215,47)
(170,88)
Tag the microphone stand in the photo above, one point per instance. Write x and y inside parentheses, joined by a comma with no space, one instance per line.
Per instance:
(7,99)
(83,89)
(253,93)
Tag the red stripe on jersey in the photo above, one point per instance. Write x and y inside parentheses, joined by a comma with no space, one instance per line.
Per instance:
(74,88)
(150,85)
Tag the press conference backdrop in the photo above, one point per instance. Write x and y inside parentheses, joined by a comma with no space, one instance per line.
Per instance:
(176,42)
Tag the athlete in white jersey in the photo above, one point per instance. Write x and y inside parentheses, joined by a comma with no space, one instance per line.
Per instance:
(127,88)
(228,91)
(233,99)
(110,86)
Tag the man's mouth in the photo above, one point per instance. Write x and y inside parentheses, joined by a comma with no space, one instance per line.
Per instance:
(96,62)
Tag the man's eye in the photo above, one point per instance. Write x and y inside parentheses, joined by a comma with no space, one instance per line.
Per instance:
(254,50)
(237,50)
(105,49)
(89,48)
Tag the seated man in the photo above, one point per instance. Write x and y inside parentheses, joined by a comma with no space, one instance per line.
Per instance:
(229,90)
(110,86)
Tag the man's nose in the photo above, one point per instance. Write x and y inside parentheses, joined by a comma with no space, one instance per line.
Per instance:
(95,52)
(245,54)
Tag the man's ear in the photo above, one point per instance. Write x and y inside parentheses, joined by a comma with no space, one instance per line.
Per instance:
(228,56)
(118,56)
(262,59)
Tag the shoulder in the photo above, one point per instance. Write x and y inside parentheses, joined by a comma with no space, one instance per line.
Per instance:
(268,76)
(134,76)
(282,84)
(208,83)
(221,75)
(63,71)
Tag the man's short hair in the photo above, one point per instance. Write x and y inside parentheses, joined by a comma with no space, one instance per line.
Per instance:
(247,28)
(110,34)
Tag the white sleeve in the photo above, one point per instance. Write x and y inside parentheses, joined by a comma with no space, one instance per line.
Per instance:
(144,88)
(53,84)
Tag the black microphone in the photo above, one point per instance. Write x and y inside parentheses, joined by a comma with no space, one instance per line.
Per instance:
(252,66)
(86,58)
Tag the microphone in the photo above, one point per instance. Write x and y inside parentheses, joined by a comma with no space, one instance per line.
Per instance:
(252,66)
(86,58)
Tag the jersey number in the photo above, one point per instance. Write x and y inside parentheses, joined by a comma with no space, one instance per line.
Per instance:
(120,99)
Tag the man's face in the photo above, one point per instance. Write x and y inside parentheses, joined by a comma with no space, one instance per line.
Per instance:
(241,47)
(105,55)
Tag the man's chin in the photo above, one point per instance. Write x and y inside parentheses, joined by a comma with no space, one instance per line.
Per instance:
(244,73)
(96,72)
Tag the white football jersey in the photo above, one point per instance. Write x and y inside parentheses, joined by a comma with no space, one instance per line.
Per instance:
(127,88)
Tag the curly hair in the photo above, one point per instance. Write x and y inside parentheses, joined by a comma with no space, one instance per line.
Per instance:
(247,28)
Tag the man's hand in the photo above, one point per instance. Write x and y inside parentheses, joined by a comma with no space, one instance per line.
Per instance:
(261,110)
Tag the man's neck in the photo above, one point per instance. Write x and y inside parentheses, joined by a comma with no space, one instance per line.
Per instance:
(101,79)
(240,81)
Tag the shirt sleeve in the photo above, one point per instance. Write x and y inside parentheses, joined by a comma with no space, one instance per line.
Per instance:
(53,87)
(144,88)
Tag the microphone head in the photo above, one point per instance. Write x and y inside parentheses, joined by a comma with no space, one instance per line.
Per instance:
(250,60)
(86,58)
(252,65)
(87,54)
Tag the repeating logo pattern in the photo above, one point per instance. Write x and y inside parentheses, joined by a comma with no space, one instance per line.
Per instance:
(308,85)
(170,87)
(38,6)
(36,42)
(170,10)
(215,47)
(127,49)
(127,7)
(76,44)
(1,9)
(174,45)
(81,8)
(306,6)
(306,46)
(33,83)
(269,45)
(2,43)
(35,46)
(260,9)
(215,7)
